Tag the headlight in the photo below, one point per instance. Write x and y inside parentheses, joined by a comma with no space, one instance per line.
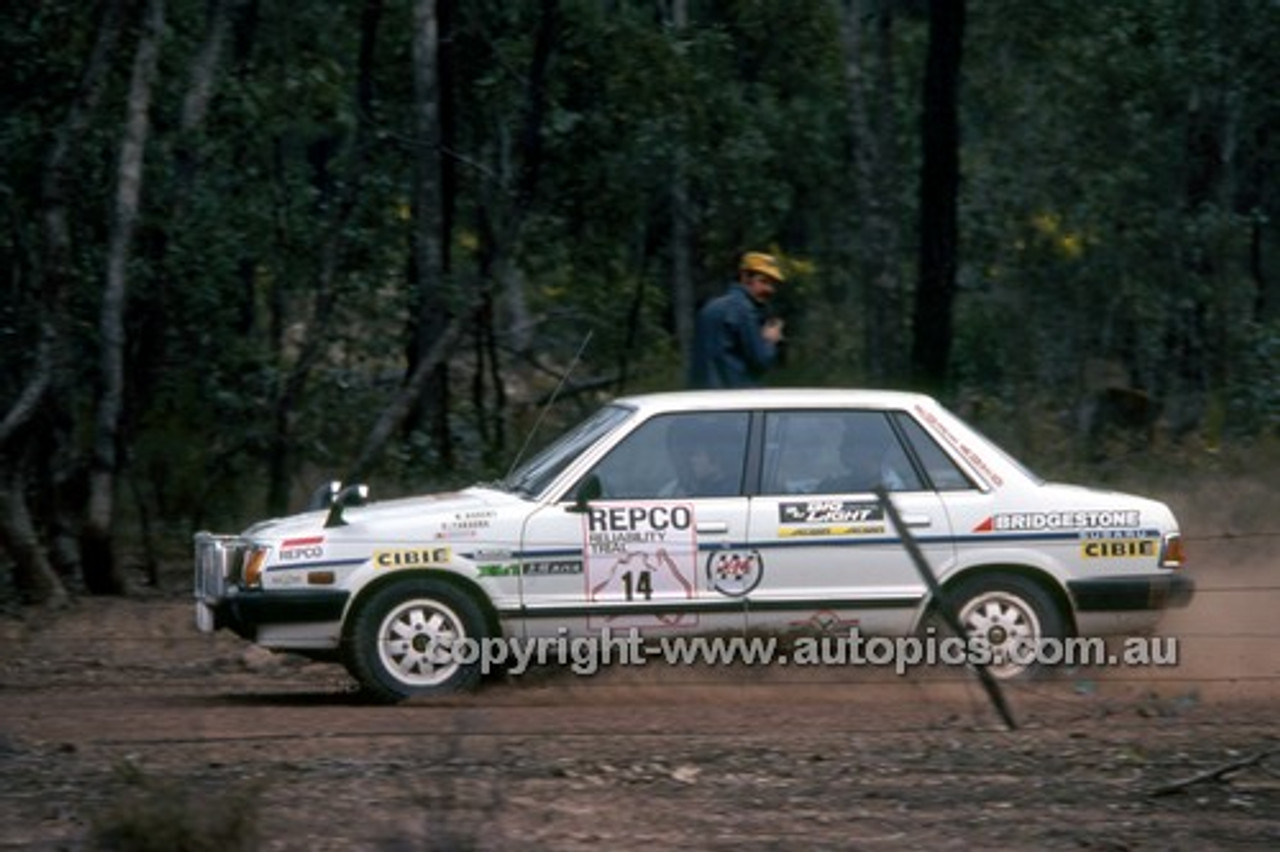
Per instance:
(253,563)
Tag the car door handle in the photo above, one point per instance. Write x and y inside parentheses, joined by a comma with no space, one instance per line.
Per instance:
(917,520)
(713,527)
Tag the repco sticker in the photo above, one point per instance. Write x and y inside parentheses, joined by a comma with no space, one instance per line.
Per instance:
(639,553)
(295,549)
(734,573)
(416,557)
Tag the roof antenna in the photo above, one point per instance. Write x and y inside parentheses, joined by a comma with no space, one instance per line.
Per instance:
(577,356)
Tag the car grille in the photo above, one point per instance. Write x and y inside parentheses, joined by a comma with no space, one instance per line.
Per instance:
(219,559)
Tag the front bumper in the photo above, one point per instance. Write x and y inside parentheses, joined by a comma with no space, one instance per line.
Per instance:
(222,603)
(244,611)
(1132,592)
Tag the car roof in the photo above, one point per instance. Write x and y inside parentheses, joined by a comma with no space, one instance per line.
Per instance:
(754,398)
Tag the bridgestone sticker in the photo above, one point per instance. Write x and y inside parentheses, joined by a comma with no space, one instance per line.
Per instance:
(1037,521)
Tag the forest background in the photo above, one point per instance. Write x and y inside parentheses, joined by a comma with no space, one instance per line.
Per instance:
(256,245)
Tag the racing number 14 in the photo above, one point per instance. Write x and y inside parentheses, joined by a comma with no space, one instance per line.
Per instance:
(638,583)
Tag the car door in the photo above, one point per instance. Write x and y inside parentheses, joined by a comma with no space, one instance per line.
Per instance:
(635,555)
(831,558)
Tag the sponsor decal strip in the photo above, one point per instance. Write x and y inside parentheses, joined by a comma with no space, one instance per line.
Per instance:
(542,568)
(324,563)
(829,518)
(301,542)
(844,529)
(1119,544)
(1119,548)
(829,512)
(1068,520)
(412,557)
(970,455)
(710,606)
(829,540)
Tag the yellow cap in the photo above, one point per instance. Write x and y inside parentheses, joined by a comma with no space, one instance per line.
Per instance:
(765,264)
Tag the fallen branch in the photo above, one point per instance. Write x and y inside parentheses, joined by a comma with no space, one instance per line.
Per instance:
(945,609)
(1216,774)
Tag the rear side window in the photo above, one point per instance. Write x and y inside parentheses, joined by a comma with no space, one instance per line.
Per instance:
(833,452)
(943,473)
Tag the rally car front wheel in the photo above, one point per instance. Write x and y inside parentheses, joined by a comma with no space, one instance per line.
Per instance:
(415,637)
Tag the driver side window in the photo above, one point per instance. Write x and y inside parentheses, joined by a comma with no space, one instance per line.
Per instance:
(677,455)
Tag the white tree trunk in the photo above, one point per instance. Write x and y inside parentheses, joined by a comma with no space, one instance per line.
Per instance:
(133,146)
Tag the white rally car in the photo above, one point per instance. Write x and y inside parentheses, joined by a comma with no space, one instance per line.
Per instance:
(695,513)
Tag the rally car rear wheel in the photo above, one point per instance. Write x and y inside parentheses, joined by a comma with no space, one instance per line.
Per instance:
(416,637)
(1007,619)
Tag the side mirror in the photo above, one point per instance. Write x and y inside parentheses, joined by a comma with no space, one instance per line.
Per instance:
(323,497)
(589,489)
(352,495)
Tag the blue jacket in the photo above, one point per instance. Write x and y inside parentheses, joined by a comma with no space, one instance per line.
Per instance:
(728,350)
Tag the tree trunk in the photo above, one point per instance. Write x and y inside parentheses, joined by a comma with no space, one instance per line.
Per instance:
(204,68)
(101,574)
(195,103)
(31,566)
(875,173)
(429,222)
(887,241)
(324,303)
(683,303)
(56,186)
(939,188)
(511,212)
(395,414)
(33,577)
(504,211)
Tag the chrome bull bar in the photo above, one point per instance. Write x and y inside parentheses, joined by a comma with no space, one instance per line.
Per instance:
(218,560)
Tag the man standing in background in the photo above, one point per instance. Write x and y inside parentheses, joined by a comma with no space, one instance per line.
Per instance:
(735,342)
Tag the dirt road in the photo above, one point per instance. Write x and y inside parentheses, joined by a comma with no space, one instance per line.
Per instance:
(119,723)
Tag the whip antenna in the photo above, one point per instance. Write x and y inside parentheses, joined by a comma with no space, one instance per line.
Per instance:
(577,356)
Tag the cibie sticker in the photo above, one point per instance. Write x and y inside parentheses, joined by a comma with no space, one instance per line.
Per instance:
(1119,544)
(734,572)
(640,553)
(413,557)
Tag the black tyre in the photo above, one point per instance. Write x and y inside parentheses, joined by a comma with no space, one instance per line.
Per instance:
(406,641)
(1008,616)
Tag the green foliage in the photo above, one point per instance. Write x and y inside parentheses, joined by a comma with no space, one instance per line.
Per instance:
(1105,210)
(1253,394)
(1117,207)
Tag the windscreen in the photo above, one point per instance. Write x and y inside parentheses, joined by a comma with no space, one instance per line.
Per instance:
(533,477)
